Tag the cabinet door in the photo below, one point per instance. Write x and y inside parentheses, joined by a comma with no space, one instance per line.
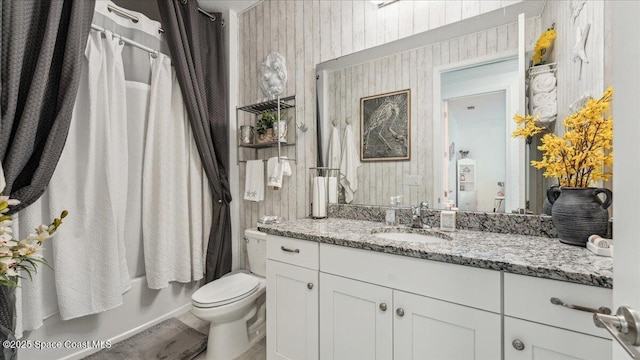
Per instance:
(356,321)
(543,342)
(426,328)
(292,312)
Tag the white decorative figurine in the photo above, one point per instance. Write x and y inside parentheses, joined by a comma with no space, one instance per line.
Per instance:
(273,75)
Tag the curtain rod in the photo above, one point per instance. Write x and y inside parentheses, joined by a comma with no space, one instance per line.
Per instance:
(135,19)
(154,53)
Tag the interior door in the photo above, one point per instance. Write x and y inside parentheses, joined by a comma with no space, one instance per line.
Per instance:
(626,130)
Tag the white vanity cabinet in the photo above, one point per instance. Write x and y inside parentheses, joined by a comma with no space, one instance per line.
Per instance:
(292,299)
(373,306)
(537,329)
(356,319)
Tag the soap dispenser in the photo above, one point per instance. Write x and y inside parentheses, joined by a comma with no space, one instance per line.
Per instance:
(390,216)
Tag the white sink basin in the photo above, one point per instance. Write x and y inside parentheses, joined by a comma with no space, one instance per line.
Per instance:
(411,237)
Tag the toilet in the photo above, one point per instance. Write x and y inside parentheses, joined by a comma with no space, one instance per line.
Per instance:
(235,304)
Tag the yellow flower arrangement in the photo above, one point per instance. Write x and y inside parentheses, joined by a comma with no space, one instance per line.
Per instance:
(581,156)
(542,45)
(21,254)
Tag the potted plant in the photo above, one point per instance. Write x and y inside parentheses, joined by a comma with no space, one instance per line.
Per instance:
(264,126)
(579,158)
(270,127)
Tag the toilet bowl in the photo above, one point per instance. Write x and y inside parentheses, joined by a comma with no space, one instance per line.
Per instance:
(234,304)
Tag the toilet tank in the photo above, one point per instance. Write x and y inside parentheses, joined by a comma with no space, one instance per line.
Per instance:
(256,251)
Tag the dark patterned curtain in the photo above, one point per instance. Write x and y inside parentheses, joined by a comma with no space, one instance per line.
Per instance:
(43,44)
(197,52)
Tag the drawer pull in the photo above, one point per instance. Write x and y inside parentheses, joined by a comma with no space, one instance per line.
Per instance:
(383,306)
(518,344)
(309,286)
(400,312)
(600,310)
(297,251)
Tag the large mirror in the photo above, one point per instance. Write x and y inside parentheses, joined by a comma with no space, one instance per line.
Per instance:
(466,81)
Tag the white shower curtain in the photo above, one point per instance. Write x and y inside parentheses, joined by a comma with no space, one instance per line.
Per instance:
(174,207)
(99,179)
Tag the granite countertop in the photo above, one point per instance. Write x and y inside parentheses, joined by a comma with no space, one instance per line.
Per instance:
(517,254)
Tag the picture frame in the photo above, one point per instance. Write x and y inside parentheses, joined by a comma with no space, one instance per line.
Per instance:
(385,126)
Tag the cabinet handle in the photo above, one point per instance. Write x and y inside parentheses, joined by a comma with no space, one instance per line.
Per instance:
(309,286)
(400,312)
(600,310)
(297,251)
(383,306)
(518,344)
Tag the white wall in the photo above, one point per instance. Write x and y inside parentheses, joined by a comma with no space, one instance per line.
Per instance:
(484,136)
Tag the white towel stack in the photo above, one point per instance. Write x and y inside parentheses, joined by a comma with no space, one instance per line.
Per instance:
(276,170)
(349,165)
(544,102)
(254,181)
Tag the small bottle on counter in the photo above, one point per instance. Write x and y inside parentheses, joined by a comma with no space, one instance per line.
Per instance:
(390,217)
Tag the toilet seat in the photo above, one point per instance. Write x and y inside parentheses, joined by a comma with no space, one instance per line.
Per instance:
(225,290)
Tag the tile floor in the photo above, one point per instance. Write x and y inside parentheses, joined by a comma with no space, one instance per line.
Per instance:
(257,352)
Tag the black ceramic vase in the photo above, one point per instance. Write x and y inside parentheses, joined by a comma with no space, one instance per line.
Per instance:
(578,213)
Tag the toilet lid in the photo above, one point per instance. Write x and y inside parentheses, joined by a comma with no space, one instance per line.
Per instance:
(225,290)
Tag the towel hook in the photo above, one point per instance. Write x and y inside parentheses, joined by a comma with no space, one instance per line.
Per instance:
(348,120)
(333,121)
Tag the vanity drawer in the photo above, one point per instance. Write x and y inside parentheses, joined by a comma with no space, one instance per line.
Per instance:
(293,251)
(529,298)
(464,285)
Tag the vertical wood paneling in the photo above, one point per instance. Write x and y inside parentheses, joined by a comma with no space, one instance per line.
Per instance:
(420,16)
(336,28)
(406,23)
(325,30)
(437,16)
(453,11)
(347,27)
(470,8)
(358,25)
(370,25)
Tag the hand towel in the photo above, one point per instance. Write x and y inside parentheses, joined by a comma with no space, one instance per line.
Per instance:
(319,197)
(276,170)
(333,156)
(349,165)
(254,181)
(544,98)
(543,83)
(332,189)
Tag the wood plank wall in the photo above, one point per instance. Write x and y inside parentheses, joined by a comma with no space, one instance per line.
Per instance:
(312,31)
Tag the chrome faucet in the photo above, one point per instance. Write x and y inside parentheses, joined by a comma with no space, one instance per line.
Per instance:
(417,220)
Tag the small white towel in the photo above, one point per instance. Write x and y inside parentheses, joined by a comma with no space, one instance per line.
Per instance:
(254,181)
(543,83)
(349,165)
(332,188)
(333,156)
(547,113)
(544,98)
(276,170)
